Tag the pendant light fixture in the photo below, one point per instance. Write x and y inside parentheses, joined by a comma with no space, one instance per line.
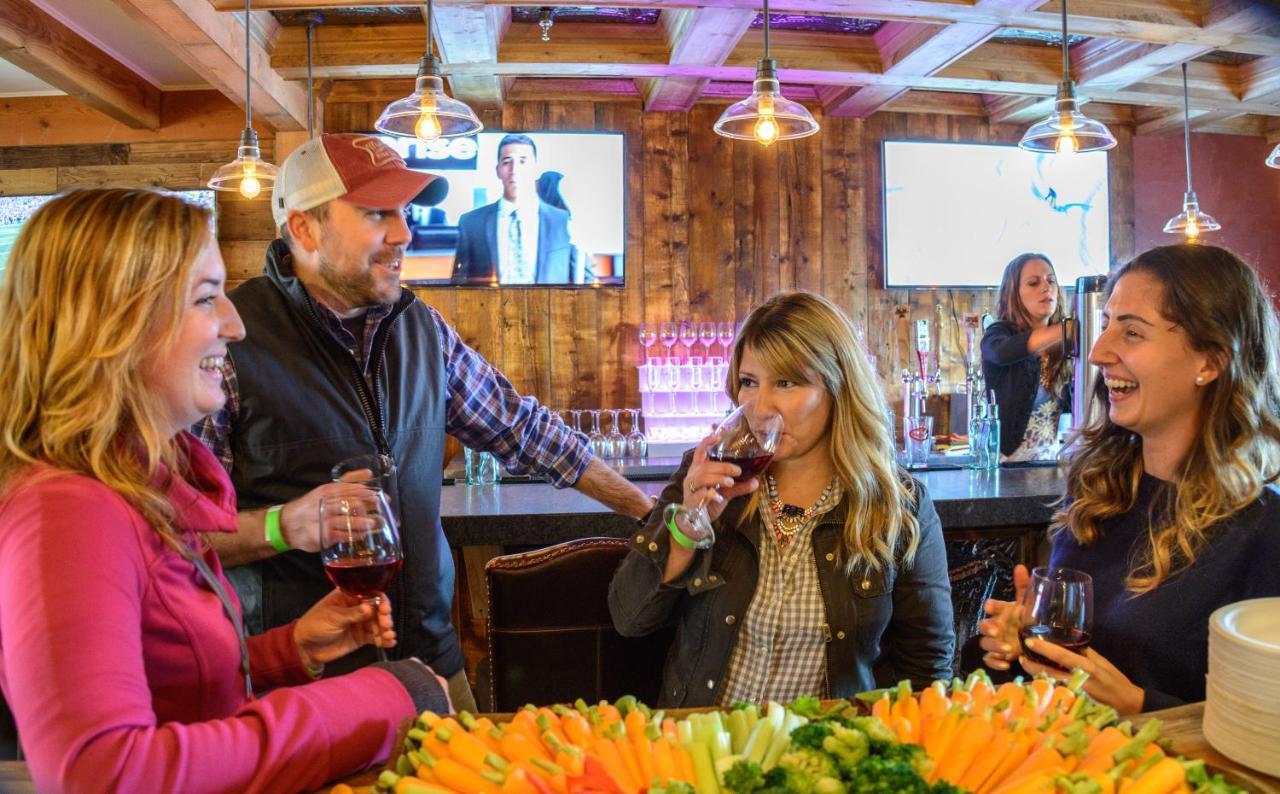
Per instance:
(1191,221)
(766,116)
(428,113)
(1067,130)
(248,173)
(1273,159)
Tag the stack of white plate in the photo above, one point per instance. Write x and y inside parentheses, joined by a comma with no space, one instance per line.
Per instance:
(1242,693)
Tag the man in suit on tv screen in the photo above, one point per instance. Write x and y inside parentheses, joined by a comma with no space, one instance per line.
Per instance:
(518,239)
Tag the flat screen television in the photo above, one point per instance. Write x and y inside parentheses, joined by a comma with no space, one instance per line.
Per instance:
(568,186)
(956,213)
(15,210)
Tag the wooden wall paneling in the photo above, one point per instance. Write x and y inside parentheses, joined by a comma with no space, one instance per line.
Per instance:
(659,256)
(710,218)
(22,181)
(881,335)
(1121,187)
(766,211)
(244,259)
(843,276)
(240,218)
(622,388)
(179,176)
(63,156)
(805,217)
(219,151)
(682,190)
(748,289)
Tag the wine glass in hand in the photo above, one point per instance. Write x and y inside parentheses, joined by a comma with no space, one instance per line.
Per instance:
(747,439)
(360,547)
(1057,606)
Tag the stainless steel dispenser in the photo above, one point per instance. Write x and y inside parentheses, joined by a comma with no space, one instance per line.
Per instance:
(1089,302)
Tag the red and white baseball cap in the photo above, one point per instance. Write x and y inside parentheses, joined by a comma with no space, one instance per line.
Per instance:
(357,168)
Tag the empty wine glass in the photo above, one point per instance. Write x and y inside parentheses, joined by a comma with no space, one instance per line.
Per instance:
(637,444)
(648,338)
(707,336)
(1057,606)
(616,442)
(360,547)
(725,333)
(746,439)
(669,334)
(595,437)
(688,338)
(575,418)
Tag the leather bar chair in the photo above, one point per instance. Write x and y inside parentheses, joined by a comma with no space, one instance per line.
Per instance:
(551,639)
(972,583)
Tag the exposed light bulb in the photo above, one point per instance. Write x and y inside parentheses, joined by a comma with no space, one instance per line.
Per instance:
(250,187)
(766,130)
(1067,144)
(1193,228)
(428,127)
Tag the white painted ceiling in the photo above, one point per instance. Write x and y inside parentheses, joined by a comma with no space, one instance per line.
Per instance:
(104,24)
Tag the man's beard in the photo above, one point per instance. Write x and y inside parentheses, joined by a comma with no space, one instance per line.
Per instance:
(357,290)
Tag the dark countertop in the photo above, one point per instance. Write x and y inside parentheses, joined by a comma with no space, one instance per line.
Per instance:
(536,514)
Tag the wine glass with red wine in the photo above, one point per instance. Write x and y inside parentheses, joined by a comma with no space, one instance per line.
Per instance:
(360,547)
(1057,606)
(747,439)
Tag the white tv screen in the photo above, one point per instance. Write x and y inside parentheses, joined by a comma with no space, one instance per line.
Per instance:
(579,189)
(956,213)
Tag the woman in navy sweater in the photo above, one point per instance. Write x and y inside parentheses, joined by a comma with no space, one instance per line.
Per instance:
(1171,504)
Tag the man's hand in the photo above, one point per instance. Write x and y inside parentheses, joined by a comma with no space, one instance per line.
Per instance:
(300,519)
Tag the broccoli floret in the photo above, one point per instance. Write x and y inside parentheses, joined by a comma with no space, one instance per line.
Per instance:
(810,772)
(877,774)
(876,731)
(810,735)
(744,777)
(847,745)
(913,755)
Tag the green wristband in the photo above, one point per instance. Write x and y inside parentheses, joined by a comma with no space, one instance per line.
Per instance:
(272,524)
(678,536)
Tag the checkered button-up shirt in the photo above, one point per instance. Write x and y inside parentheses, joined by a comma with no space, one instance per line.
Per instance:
(781,649)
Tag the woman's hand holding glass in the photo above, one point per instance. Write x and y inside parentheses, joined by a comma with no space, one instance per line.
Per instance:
(1002,645)
(339,624)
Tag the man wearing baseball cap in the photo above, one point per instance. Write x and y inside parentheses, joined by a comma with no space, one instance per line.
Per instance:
(339,361)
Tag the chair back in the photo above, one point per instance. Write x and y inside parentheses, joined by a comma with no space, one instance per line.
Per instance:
(551,639)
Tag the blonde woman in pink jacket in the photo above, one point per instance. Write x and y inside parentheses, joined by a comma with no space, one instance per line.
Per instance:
(120,640)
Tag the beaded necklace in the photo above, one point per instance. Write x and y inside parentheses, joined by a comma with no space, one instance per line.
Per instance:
(790,519)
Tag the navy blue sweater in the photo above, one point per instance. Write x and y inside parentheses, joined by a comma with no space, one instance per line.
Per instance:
(1160,639)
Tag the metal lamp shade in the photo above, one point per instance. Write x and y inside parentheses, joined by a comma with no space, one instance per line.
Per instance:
(1067,122)
(248,174)
(741,119)
(1191,222)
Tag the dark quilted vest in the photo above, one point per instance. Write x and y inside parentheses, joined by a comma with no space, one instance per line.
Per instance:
(304,406)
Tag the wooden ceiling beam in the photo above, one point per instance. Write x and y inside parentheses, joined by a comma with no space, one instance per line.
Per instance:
(698,37)
(471,34)
(1094,18)
(42,46)
(1260,79)
(212,44)
(914,49)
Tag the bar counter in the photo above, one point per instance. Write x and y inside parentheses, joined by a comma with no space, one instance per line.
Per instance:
(538,514)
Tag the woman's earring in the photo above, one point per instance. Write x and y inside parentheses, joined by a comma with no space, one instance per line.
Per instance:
(1199,380)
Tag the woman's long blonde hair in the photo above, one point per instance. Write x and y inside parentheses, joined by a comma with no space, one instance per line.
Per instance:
(1224,310)
(800,336)
(96,284)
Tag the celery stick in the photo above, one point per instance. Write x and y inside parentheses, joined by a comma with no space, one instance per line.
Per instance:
(704,770)
(739,731)
(759,741)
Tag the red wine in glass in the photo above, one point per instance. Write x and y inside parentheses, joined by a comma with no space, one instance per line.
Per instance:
(362,578)
(751,465)
(1073,639)
(1057,606)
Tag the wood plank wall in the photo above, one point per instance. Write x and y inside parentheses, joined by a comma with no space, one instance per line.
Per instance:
(713,227)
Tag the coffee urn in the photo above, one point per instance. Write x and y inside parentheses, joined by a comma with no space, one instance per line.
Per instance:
(1089,302)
